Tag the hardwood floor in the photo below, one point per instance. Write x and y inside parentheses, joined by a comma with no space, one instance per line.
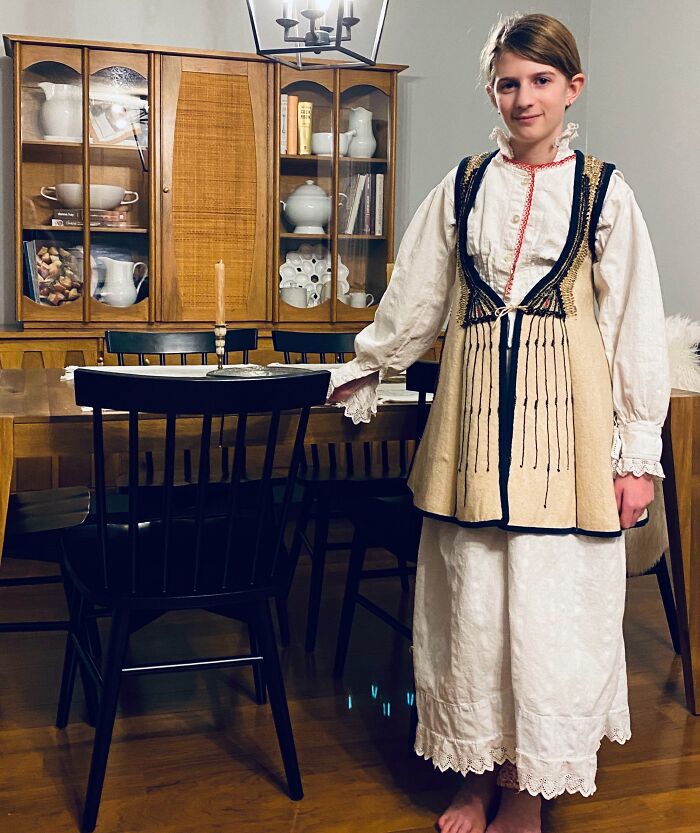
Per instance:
(193,753)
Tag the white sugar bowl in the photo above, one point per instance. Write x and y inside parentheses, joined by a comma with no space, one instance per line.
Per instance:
(308,208)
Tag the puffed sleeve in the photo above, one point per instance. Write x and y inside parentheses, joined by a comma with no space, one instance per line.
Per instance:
(631,320)
(415,304)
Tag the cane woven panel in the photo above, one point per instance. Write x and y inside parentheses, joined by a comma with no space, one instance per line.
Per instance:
(215,197)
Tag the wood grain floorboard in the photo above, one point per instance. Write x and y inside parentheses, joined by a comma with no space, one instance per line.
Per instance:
(193,753)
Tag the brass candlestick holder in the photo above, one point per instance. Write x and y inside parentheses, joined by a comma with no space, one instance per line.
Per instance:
(220,344)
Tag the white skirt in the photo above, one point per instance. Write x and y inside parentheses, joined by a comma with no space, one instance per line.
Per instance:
(518,653)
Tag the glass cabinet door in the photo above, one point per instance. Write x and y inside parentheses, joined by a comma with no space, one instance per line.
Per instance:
(72,270)
(306,215)
(364,226)
(119,196)
(50,176)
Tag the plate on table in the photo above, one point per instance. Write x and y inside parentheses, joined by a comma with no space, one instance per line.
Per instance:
(259,372)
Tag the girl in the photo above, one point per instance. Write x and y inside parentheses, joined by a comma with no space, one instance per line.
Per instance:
(542,443)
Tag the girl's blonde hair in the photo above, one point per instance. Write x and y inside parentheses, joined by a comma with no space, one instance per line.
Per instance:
(535,37)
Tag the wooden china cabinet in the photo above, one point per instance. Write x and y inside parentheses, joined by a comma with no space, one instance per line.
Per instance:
(175,157)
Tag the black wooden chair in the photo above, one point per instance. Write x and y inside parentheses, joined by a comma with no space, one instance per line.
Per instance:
(160,345)
(164,344)
(33,519)
(335,477)
(218,551)
(393,524)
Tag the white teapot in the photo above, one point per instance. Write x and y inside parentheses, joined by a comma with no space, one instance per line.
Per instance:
(119,289)
(62,112)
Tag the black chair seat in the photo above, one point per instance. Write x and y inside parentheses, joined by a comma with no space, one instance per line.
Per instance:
(46,510)
(146,582)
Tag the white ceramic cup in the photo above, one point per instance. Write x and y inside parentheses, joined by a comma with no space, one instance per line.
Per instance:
(361,299)
(295,296)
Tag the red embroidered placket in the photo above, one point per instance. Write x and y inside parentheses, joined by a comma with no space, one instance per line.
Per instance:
(531,170)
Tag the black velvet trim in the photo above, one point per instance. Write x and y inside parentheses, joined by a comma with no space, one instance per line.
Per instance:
(506,527)
(571,239)
(506,411)
(459,181)
(574,231)
(608,169)
(464,212)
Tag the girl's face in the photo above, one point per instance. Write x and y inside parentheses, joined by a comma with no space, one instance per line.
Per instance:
(531,98)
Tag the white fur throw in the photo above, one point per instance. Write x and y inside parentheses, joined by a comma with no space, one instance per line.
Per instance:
(645,546)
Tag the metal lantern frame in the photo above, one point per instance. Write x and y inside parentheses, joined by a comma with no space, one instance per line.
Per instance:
(300,46)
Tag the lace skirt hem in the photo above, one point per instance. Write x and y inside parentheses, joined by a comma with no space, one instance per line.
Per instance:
(546,778)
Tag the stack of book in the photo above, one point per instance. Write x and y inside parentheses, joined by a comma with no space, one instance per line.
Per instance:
(116,218)
(295,125)
(364,206)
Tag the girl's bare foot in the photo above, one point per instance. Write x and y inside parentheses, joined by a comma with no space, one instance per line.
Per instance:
(518,812)
(469,809)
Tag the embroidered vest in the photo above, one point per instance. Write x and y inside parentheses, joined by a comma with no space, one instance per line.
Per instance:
(523,442)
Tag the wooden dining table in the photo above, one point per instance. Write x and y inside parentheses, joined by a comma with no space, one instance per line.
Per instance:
(39,419)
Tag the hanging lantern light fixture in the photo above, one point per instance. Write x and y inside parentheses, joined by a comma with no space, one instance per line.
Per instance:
(298,32)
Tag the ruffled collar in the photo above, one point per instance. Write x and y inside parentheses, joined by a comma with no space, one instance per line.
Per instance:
(561,143)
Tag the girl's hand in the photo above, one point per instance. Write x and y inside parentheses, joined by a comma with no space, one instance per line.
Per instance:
(344,392)
(633,495)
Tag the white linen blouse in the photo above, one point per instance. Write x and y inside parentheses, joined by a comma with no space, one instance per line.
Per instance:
(626,284)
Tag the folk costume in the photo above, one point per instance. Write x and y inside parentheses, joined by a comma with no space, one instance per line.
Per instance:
(553,377)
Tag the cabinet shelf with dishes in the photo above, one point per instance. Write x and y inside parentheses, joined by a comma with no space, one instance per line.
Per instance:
(78,108)
(334,230)
(110,231)
(94,230)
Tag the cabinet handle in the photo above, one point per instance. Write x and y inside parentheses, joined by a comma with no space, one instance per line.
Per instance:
(166,189)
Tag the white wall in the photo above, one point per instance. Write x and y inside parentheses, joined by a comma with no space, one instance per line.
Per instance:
(644,117)
(443,112)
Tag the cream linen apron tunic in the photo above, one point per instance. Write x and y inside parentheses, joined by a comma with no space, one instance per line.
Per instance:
(517,636)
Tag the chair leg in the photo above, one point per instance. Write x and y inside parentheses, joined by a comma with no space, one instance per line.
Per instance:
(405,587)
(116,651)
(318,564)
(282,619)
(70,663)
(92,642)
(664,581)
(278,700)
(352,585)
(87,627)
(258,675)
(307,502)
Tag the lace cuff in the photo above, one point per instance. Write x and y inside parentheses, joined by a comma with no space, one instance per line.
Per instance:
(637,467)
(360,406)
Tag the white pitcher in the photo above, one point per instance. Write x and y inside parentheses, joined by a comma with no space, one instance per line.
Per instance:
(62,112)
(119,289)
(363,142)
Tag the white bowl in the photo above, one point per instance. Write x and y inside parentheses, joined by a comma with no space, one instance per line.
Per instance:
(105,197)
(322,143)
